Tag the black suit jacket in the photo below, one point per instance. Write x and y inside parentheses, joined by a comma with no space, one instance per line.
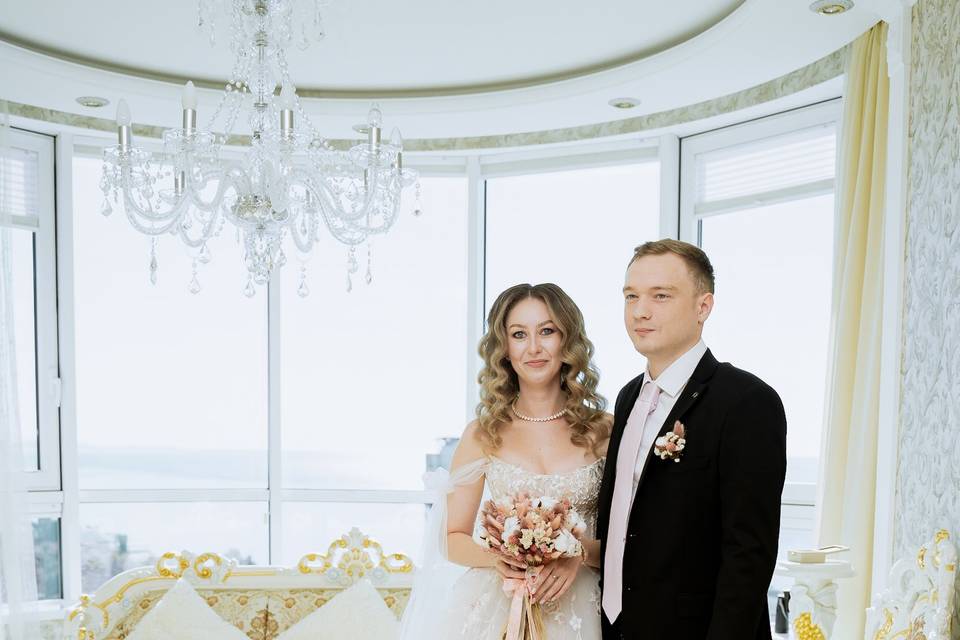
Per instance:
(702,538)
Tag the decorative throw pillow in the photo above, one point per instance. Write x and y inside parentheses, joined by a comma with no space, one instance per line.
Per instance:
(182,614)
(358,613)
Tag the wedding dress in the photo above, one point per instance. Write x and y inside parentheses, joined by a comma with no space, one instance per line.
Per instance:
(455,602)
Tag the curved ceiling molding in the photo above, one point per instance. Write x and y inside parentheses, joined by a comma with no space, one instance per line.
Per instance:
(824,69)
(530,49)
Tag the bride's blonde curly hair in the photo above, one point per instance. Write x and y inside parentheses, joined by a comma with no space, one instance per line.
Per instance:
(589,424)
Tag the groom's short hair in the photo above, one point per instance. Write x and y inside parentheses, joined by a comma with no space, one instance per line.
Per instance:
(697,261)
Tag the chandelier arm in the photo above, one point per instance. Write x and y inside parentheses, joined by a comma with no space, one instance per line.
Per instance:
(350,215)
(149,214)
(230,176)
(346,234)
(330,207)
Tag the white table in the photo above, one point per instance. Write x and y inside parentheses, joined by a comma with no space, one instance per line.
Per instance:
(813,596)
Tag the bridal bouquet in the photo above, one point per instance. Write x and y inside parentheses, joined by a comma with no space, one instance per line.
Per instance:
(532,531)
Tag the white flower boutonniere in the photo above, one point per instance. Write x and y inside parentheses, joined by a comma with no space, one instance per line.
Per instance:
(670,446)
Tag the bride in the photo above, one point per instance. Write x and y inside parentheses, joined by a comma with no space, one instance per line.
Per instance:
(541,429)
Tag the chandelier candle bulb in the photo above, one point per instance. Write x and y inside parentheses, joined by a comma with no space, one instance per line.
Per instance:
(397,141)
(288,101)
(189,102)
(123,124)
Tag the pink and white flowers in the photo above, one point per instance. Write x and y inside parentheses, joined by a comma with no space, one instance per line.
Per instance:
(533,530)
(670,446)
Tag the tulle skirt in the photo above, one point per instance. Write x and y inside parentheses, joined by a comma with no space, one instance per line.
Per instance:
(479,607)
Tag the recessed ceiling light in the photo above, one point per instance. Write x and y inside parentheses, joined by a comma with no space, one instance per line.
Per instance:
(362,128)
(831,7)
(93,101)
(624,103)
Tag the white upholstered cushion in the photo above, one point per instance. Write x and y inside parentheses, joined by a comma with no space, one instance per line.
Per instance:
(359,613)
(182,614)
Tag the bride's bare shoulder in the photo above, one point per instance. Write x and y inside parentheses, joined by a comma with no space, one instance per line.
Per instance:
(470,447)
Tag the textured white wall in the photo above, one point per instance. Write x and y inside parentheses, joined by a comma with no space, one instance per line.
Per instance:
(928,474)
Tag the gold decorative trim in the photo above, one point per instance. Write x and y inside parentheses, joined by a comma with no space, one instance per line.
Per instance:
(887,626)
(180,565)
(806,629)
(921,558)
(942,535)
(822,70)
(199,565)
(351,554)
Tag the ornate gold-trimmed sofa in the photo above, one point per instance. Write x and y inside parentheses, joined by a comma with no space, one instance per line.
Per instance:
(261,601)
(918,602)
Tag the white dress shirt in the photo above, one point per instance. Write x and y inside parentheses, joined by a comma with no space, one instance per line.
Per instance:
(671,382)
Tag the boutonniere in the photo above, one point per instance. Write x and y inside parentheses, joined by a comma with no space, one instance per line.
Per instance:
(670,445)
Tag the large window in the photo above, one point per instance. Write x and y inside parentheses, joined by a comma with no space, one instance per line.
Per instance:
(759,199)
(262,427)
(576,228)
(373,376)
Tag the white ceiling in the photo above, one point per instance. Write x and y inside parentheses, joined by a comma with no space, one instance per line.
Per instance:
(446,46)
(376,45)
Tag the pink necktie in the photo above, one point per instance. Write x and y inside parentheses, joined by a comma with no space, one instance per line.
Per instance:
(622,493)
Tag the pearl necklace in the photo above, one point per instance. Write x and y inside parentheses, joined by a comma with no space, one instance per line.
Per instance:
(513,407)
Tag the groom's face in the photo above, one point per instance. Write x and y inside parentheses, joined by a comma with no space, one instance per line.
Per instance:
(664,310)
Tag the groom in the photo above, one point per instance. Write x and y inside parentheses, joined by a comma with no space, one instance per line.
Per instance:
(689,538)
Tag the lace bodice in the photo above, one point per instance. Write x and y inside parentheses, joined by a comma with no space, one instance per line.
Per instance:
(581,486)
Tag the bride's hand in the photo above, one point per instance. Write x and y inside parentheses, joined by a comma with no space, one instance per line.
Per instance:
(508,569)
(555,578)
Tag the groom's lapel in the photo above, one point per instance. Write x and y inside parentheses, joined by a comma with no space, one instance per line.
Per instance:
(692,392)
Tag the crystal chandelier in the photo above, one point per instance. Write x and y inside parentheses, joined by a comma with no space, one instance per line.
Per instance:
(289,183)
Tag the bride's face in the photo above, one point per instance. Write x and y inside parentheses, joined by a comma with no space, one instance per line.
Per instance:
(533,342)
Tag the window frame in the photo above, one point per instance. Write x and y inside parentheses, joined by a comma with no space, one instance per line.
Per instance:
(824,114)
(46,347)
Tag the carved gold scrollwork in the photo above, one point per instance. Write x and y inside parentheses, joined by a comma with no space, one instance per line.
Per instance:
(172,565)
(887,626)
(200,565)
(82,609)
(355,555)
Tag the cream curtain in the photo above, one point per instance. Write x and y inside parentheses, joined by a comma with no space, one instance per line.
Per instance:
(849,450)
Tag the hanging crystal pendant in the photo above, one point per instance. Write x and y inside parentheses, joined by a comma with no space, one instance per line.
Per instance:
(194,281)
(352,264)
(153,261)
(249,290)
(105,208)
(303,290)
(417,207)
(369,276)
